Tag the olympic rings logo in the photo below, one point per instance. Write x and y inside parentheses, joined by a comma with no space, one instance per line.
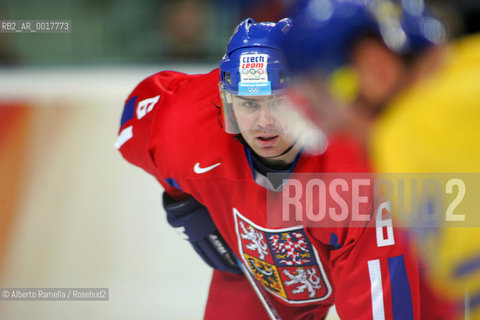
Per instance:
(255,72)
(253,90)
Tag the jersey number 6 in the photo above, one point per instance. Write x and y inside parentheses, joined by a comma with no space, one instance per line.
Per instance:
(384,238)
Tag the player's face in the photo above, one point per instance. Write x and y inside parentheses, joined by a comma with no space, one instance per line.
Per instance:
(261,124)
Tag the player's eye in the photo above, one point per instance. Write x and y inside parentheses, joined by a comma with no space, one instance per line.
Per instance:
(250,105)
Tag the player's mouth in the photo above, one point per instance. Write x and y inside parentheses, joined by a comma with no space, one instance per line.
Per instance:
(267,140)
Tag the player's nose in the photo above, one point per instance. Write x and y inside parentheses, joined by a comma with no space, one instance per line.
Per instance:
(265,117)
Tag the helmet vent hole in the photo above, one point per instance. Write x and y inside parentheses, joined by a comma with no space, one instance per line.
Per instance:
(282,77)
(249,23)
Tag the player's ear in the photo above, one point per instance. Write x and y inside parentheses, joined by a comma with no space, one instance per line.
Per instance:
(379,70)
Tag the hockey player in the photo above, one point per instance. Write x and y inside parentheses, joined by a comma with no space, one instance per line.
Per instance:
(212,147)
(424,101)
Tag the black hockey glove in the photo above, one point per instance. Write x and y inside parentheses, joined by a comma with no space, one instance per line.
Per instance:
(192,220)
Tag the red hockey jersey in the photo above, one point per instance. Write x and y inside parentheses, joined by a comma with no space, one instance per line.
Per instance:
(170,127)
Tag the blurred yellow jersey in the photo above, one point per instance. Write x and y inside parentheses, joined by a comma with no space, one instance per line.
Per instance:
(435,128)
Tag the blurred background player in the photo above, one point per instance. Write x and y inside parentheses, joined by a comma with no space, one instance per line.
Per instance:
(212,148)
(382,64)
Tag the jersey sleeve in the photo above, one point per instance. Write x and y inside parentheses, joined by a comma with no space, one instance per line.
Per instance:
(375,275)
(135,134)
(372,266)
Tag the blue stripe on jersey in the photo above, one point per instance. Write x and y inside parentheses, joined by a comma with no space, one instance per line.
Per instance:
(172,183)
(128,111)
(334,241)
(467,267)
(401,296)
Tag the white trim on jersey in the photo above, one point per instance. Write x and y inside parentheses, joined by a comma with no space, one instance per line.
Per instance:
(376,288)
(124,136)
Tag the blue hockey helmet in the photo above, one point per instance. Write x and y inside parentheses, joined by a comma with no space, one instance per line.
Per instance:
(325,30)
(253,64)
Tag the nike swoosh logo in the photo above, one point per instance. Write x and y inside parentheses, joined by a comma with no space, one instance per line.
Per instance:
(198,170)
